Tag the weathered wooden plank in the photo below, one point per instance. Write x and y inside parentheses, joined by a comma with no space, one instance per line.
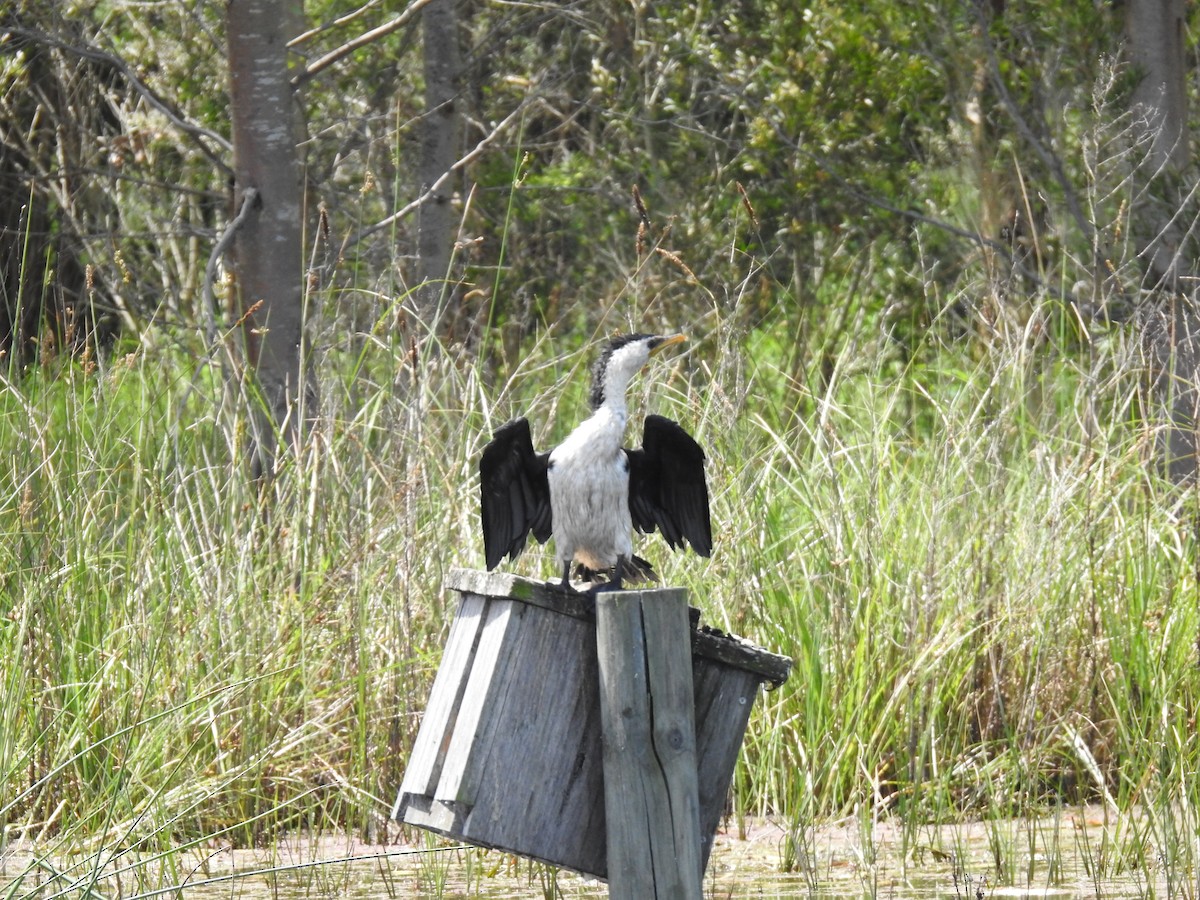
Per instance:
(707,642)
(625,723)
(547,595)
(433,815)
(482,704)
(646,712)
(725,697)
(552,737)
(449,685)
(667,634)
(739,652)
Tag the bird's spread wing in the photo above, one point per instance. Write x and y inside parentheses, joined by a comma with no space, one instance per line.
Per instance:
(667,490)
(514,494)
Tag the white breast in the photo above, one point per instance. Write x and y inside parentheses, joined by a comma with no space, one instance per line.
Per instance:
(589,494)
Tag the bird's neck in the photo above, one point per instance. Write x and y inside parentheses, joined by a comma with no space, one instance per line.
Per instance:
(611,391)
(607,423)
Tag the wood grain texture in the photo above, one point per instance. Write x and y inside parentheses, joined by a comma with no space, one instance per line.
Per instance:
(543,788)
(433,738)
(724,697)
(646,712)
(482,704)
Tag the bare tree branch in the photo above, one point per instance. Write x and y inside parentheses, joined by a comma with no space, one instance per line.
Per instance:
(249,198)
(336,23)
(1049,159)
(399,214)
(212,332)
(359,42)
(941,224)
(174,116)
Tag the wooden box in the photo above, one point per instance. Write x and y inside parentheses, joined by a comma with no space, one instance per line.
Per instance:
(508,754)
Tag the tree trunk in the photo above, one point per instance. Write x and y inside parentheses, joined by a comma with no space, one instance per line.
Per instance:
(1154,34)
(1171,325)
(267,252)
(440,140)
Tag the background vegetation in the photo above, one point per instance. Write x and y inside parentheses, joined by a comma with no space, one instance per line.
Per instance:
(899,236)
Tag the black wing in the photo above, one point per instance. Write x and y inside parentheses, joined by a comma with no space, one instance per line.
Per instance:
(514,494)
(667,490)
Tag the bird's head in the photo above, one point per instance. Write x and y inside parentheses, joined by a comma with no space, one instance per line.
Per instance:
(622,358)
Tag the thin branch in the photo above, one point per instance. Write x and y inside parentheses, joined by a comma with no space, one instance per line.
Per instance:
(359,42)
(336,23)
(147,93)
(436,186)
(1049,159)
(210,270)
(213,337)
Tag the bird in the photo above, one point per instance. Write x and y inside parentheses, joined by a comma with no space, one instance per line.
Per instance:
(590,492)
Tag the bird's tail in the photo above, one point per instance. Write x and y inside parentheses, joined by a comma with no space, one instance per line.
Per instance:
(637,571)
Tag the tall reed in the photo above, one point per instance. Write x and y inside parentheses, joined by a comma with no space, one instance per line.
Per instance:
(989,595)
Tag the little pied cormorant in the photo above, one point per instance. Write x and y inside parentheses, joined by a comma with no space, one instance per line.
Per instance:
(589,492)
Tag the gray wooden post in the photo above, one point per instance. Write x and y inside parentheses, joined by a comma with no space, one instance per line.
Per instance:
(651,800)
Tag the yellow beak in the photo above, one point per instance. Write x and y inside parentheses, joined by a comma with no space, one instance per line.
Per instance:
(668,342)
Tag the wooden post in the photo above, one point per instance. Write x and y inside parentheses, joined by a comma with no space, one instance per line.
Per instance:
(651,798)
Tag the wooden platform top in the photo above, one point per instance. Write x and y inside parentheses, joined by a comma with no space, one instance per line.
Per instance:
(706,642)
